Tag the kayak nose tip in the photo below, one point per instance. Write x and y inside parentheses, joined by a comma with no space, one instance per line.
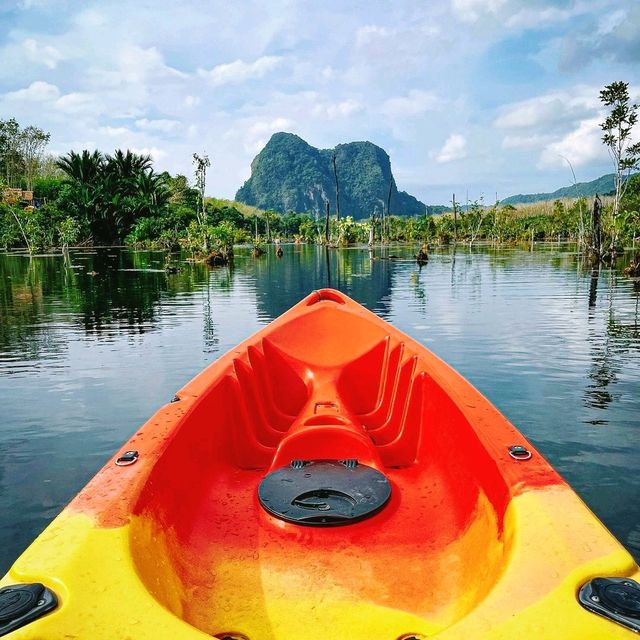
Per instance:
(326,294)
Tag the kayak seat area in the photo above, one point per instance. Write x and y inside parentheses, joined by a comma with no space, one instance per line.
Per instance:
(224,563)
(385,389)
(382,391)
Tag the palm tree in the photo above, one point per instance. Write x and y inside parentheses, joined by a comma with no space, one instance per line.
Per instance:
(153,192)
(85,173)
(113,191)
(127,187)
(126,167)
(84,168)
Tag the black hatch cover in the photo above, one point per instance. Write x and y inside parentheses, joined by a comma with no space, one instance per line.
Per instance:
(324,492)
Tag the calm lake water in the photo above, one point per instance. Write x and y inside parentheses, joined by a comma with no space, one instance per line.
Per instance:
(90,347)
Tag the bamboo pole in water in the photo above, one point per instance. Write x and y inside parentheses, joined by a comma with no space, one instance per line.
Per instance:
(455,220)
(335,175)
(597,232)
(372,229)
(389,202)
(326,225)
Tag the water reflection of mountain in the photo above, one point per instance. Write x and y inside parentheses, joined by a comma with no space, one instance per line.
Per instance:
(282,282)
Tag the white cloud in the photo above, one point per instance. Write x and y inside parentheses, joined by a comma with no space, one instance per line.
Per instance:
(550,110)
(42,54)
(30,4)
(163,125)
(472,10)
(256,134)
(241,71)
(135,65)
(278,124)
(455,148)
(90,18)
(580,146)
(533,141)
(613,36)
(79,103)
(415,103)
(342,109)
(560,124)
(328,73)
(37,91)
(155,153)
(528,18)
(390,56)
(520,14)
(192,101)
(370,33)
(115,132)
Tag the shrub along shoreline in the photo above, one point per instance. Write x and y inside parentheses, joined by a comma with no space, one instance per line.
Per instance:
(120,200)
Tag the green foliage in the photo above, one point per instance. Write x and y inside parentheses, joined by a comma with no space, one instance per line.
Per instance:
(31,145)
(308,230)
(144,232)
(10,235)
(110,193)
(224,235)
(217,214)
(193,238)
(619,124)
(631,198)
(618,127)
(68,231)
(10,158)
(39,226)
(349,232)
(47,187)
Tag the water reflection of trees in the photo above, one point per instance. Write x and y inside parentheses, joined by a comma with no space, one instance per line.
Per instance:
(220,279)
(106,292)
(621,336)
(94,290)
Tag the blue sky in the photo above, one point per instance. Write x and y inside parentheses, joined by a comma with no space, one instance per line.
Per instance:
(482,96)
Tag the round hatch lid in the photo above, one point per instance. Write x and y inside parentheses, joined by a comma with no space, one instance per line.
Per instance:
(324,492)
(621,597)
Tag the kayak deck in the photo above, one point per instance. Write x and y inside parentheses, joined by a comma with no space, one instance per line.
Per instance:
(472,542)
(355,401)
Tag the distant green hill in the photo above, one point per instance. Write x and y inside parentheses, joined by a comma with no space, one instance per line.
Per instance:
(603,185)
(291,175)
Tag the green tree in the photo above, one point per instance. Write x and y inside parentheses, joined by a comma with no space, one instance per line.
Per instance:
(202,163)
(617,128)
(10,159)
(84,172)
(32,142)
(68,232)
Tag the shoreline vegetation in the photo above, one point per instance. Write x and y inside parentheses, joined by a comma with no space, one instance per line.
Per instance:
(89,199)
